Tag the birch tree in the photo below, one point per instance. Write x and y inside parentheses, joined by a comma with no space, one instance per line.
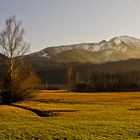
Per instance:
(14,47)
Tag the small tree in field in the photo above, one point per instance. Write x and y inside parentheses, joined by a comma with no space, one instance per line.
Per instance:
(20,80)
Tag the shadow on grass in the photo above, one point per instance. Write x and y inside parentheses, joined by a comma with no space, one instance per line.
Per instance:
(56,101)
(134,109)
(48,113)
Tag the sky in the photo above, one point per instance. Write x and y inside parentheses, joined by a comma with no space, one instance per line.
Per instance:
(60,22)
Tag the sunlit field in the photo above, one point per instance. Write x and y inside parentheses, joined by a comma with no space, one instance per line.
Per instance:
(73,116)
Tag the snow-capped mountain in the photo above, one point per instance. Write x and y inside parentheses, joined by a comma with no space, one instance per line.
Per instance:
(118,48)
(50,52)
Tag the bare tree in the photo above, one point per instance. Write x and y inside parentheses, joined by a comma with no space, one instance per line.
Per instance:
(18,77)
(68,75)
(88,75)
(77,77)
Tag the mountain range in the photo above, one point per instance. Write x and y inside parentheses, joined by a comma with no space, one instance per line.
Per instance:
(116,49)
(118,54)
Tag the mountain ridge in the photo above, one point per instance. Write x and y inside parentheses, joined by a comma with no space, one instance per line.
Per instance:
(116,49)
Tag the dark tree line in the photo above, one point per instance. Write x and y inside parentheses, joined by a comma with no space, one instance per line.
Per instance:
(103,81)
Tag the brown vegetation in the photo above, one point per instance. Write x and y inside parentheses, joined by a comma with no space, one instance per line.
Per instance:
(73,97)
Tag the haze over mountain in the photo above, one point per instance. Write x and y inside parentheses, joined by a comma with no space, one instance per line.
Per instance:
(116,49)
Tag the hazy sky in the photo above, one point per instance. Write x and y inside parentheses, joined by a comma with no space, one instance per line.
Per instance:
(57,22)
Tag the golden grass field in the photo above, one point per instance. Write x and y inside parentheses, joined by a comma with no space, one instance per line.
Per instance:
(77,116)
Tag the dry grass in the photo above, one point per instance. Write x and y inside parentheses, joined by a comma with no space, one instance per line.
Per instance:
(98,116)
(120,97)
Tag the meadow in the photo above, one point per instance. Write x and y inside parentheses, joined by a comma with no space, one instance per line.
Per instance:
(73,116)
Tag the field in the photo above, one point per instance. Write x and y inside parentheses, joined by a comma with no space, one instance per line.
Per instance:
(73,116)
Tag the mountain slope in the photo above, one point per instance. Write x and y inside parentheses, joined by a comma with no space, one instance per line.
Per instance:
(116,49)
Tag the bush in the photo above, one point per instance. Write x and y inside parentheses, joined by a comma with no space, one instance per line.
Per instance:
(21,86)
